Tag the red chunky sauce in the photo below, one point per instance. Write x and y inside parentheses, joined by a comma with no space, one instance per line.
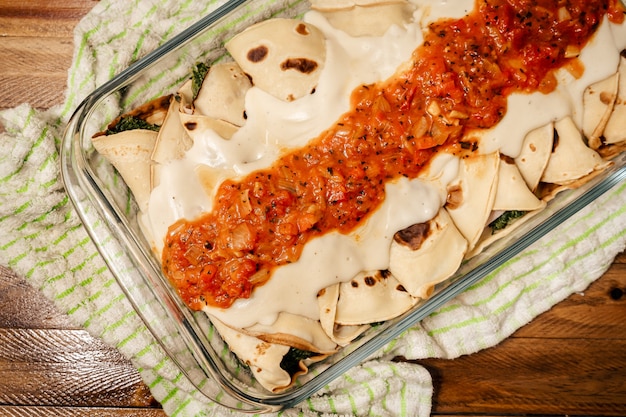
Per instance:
(458,80)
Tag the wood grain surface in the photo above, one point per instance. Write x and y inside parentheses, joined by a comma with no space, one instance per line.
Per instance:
(569,361)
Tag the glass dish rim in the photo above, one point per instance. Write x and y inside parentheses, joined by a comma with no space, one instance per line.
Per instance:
(77,177)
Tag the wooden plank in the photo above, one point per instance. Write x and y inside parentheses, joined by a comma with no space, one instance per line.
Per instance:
(570,360)
(36,56)
(66,368)
(47,361)
(34,71)
(36,49)
(12,411)
(42,92)
(34,17)
(526,376)
(22,306)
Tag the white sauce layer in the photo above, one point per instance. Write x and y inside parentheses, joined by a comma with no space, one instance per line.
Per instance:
(274,125)
(433,10)
(525,112)
(294,287)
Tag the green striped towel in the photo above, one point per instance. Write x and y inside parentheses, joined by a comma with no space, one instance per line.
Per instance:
(42,240)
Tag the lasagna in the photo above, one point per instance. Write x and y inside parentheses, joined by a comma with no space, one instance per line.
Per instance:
(335,168)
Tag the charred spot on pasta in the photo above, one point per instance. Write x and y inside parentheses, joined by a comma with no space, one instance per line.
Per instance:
(257,54)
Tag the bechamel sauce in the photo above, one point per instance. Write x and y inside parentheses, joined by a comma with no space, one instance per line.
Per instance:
(525,112)
(407,202)
(273,125)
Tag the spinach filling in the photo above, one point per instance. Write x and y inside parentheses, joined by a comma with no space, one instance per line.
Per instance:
(198,72)
(131,123)
(505,220)
(291,361)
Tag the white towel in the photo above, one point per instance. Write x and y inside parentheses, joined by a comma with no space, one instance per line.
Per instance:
(42,240)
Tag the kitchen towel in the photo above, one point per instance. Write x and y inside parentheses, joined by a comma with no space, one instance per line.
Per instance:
(43,241)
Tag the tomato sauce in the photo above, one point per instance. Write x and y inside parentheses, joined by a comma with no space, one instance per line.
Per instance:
(457,81)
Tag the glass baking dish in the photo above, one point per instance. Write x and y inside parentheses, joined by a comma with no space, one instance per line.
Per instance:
(108,211)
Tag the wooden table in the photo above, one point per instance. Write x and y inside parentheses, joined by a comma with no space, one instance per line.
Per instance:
(569,361)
